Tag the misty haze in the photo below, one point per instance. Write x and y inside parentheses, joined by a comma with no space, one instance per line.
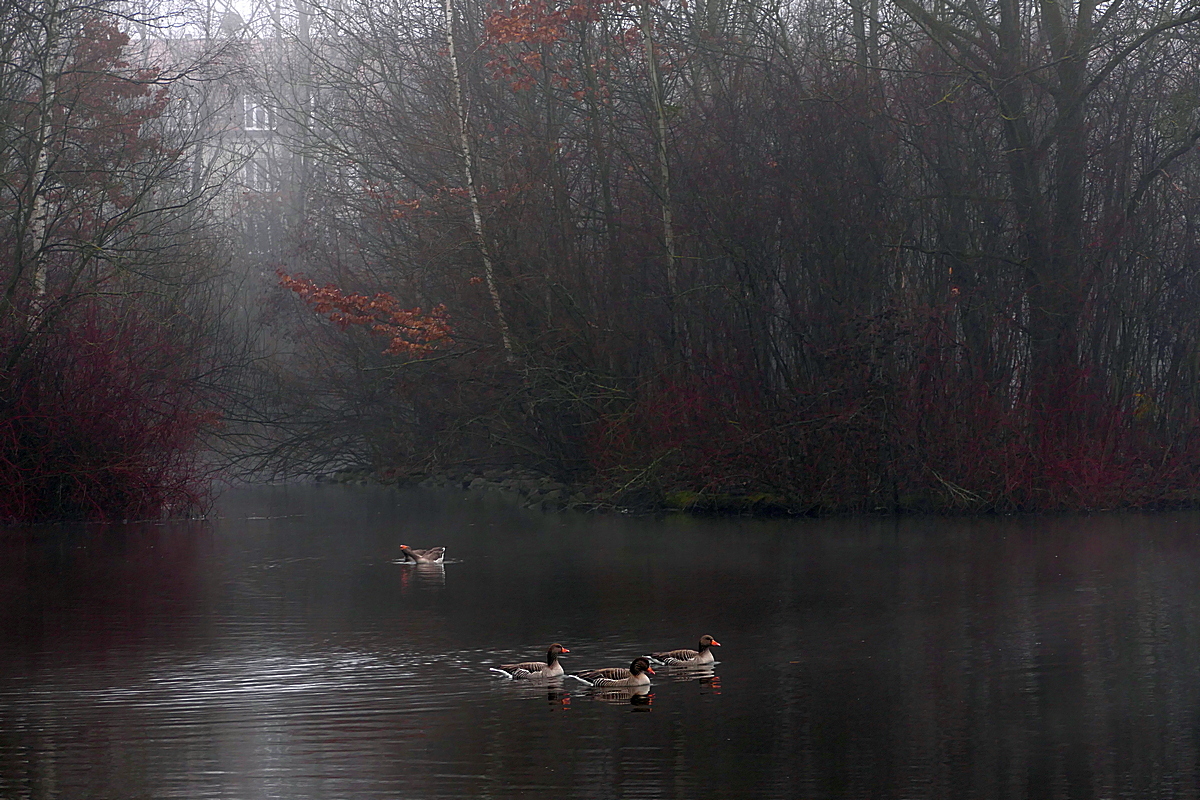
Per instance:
(840,357)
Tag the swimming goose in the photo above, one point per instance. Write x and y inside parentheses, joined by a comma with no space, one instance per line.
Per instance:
(688,658)
(433,555)
(535,669)
(638,674)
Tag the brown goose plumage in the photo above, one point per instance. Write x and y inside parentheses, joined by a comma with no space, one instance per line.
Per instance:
(688,658)
(433,555)
(638,674)
(535,669)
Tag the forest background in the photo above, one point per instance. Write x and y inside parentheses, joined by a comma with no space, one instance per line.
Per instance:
(816,255)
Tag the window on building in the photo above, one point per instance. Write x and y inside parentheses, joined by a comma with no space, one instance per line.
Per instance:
(256,174)
(259,227)
(258,115)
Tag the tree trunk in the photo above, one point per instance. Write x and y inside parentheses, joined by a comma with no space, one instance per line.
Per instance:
(464,143)
(664,179)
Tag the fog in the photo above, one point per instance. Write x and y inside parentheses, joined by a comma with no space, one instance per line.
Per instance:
(844,256)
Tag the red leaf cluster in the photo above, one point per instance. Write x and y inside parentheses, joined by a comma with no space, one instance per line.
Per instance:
(538,24)
(534,22)
(411,331)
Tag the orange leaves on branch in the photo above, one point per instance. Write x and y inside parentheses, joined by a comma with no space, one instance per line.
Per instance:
(531,59)
(405,207)
(520,75)
(391,205)
(411,331)
(533,22)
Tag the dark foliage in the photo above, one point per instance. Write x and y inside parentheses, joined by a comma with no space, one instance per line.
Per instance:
(102,420)
(911,261)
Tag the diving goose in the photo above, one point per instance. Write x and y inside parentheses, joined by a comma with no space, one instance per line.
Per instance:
(433,555)
(688,658)
(535,669)
(638,674)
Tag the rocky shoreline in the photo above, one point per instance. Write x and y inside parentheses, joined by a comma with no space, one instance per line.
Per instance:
(543,492)
(535,489)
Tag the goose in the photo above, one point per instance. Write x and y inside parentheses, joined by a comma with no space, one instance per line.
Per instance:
(535,669)
(638,674)
(688,658)
(433,555)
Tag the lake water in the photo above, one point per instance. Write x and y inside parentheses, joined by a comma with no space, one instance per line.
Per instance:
(278,651)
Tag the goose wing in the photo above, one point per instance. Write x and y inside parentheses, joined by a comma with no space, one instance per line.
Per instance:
(432,554)
(608,674)
(523,669)
(682,654)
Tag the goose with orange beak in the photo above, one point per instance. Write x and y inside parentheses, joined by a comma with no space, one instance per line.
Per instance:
(535,669)
(434,555)
(688,658)
(638,674)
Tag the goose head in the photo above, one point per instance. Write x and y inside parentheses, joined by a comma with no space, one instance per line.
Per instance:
(640,664)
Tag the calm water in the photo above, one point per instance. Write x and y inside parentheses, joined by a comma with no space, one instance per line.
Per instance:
(279,652)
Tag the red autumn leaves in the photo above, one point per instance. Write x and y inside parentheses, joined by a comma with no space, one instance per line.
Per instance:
(410,331)
(537,26)
(534,22)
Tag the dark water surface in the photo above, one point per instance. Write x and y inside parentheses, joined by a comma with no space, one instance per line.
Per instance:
(278,652)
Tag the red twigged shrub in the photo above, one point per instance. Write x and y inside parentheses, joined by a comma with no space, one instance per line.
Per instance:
(901,421)
(101,421)
(706,433)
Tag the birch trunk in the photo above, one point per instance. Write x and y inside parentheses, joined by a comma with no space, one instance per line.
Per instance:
(39,218)
(464,140)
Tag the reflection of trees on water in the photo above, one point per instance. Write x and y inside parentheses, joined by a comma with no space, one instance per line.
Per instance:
(987,662)
(932,658)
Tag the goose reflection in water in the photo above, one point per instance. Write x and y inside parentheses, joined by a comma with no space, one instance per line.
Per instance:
(559,699)
(422,576)
(709,680)
(703,674)
(549,690)
(638,696)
